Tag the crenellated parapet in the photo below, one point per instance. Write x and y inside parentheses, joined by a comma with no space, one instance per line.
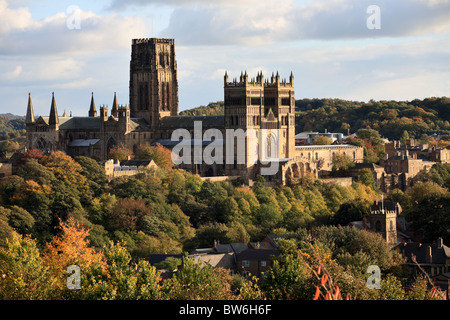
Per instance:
(259,81)
(153,40)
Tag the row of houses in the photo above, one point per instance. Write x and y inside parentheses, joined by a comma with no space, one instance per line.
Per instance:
(247,259)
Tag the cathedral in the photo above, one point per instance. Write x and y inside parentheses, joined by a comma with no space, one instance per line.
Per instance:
(257,130)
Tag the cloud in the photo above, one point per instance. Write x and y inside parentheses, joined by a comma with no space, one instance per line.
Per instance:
(271,21)
(20,34)
(121,4)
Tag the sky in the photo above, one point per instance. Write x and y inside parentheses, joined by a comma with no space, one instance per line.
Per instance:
(349,49)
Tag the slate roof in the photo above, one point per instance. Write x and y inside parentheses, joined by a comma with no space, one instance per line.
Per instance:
(388,206)
(83,143)
(439,254)
(136,163)
(187,122)
(219,260)
(79,123)
(93,123)
(192,142)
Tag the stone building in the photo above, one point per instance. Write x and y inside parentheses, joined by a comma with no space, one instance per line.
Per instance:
(401,168)
(383,220)
(256,132)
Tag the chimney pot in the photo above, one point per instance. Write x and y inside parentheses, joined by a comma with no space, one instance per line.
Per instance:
(429,256)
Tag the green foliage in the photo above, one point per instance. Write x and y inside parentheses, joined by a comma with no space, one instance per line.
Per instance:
(212,109)
(199,281)
(175,211)
(390,118)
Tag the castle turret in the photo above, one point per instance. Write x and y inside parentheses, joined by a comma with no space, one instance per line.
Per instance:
(30,111)
(124,118)
(104,113)
(92,110)
(53,118)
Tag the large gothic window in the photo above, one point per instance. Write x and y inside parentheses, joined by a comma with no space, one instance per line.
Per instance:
(111,144)
(42,144)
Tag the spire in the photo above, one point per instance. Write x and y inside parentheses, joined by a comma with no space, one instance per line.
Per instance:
(92,110)
(30,111)
(115,107)
(64,114)
(53,119)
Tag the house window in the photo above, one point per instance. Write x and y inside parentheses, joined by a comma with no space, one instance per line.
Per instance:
(245,263)
(263,263)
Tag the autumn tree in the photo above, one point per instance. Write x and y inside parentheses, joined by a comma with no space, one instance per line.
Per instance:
(71,247)
(127,215)
(161,155)
(119,152)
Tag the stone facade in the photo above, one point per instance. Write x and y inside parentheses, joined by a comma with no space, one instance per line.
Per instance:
(256,130)
(383,220)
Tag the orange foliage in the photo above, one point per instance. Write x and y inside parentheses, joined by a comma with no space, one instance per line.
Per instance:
(71,247)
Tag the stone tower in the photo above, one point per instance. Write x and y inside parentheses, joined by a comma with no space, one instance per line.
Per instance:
(279,100)
(383,220)
(265,108)
(243,108)
(153,80)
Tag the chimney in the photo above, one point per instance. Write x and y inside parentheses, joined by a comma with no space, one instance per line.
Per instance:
(429,255)
(440,242)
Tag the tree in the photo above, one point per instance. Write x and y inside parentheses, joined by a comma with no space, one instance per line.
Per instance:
(366,177)
(429,217)
(127,215)
(353,210)
(127,280)
(24,273)
(161,155)
(199,281)
(33,170)
(322,140)
(20,220)
(94,173)
(9,146)
(341,162)
(404,137)
(71,247)
(288,278)
(119,152)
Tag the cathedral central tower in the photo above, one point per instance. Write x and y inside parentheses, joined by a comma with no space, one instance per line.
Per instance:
(153,80)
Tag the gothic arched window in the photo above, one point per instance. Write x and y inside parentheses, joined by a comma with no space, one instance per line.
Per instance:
(378,226)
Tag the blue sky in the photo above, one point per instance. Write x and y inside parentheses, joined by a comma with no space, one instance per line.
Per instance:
(325,43)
